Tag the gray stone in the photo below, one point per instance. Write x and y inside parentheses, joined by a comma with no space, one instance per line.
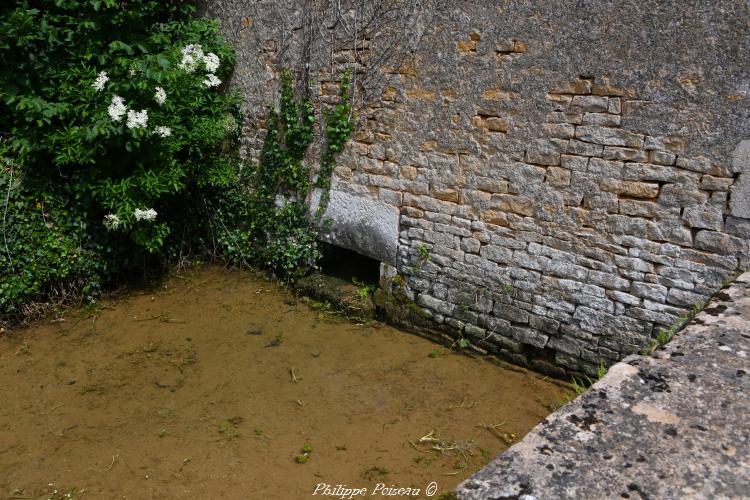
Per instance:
(609,136)
(649,291)
(741,157)
(364,225)
(680,403)
(676,195)
(705,217)
(718,242)
(739,202)
(711,183)
(529,336)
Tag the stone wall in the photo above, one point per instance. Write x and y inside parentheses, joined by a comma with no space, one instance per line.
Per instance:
(556,179)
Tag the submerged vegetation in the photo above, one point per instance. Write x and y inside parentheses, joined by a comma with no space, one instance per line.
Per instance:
(119,153)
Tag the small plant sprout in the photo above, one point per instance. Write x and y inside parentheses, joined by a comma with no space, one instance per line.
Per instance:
(305,455)
(424,252)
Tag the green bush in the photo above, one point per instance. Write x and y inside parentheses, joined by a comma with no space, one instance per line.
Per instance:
(45,251)
(118,151)
(114,118)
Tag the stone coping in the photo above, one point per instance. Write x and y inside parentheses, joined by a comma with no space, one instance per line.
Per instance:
(672,425)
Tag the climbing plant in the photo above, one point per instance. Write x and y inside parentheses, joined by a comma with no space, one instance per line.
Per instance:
(281,232)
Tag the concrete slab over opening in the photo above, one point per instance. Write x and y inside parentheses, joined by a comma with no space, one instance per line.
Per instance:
(672,425)
(364,225)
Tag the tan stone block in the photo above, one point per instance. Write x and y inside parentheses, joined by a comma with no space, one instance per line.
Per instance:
(467,46)
(520,47)
(631,188)
(498,95)
(494,217)
(421,94)
(408,172)
(558,177)
(445,194)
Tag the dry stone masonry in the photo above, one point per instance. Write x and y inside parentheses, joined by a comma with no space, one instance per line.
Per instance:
(553,180)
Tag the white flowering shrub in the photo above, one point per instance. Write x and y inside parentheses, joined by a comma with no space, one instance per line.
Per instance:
(128,110)
(113,112)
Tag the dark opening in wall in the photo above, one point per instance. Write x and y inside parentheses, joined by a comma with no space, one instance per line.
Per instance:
(347,264)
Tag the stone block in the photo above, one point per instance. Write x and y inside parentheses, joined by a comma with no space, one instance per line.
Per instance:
(558,130)
(711,183)
(651,172)
(470,245)
(719,243)
(545,151)
(564,117)
(662,158)
(430,302)
(631,188)
(511,313)
(604,119)
(697,164)
(584,148)
(657,293)
(738,227)
(705,217)
(558,177)
(677,195)
(684,298)
(638,208)
(627,154)
(739,203)
(590,104)
(609,136)
(572,162)
(670,144)
(615,105)
(624,298)
(496,254)
(566,345)
(529,336)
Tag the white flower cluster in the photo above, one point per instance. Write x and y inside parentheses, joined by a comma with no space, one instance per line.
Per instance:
(162,131)
(192,55)
(101,79)
(148,214)
(111,221)
(160,96)
(137,119)
(211,80)
(212,62)
(117,108)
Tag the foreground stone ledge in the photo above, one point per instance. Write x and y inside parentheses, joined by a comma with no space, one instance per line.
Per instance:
(673,425)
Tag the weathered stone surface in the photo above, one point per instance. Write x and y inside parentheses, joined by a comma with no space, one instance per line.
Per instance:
(570,167)
(609,136)
(739,203)
(706,217)
(673,425)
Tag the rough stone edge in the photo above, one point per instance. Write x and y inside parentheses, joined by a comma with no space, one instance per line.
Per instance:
(500,479)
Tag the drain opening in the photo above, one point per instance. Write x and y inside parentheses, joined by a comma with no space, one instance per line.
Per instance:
(348,265)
